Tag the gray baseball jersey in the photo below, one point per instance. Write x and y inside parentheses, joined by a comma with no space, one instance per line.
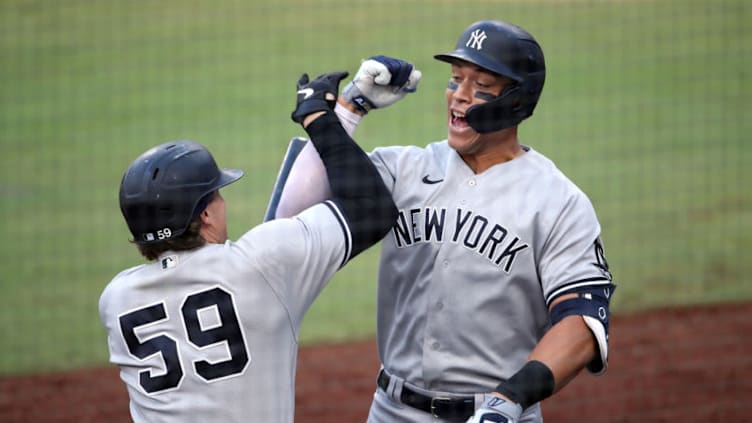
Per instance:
(222,347)
(468,270)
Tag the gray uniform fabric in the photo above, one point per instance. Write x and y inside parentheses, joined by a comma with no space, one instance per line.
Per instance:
(229,328)
(468,270)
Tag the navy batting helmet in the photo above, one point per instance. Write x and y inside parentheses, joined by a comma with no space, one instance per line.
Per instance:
(166,187)
(509,51)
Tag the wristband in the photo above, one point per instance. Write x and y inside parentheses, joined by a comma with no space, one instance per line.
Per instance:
(534,382)
(352,93)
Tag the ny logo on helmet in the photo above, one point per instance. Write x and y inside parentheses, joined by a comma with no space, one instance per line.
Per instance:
(476,39)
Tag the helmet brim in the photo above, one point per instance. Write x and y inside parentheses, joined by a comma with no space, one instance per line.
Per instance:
(228,176)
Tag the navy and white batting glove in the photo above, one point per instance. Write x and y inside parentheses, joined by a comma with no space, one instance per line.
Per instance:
(317,95)
(380,82)
(496,410)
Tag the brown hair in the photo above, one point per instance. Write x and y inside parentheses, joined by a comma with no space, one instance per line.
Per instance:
(188,240)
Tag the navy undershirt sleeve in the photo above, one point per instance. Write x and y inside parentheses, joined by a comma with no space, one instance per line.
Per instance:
(356,185)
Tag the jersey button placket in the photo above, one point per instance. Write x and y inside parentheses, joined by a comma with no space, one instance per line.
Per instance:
(438,317)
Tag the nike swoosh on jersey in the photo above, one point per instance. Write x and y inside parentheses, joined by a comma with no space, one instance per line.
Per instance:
(431,181)
(307,92)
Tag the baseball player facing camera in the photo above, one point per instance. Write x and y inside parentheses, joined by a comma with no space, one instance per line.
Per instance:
(207,330)
(494,288)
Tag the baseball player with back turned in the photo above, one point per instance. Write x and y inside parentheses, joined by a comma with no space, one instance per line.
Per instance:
(207,331)
(494,288)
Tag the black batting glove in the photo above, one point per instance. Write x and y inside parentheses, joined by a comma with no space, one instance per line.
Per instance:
(317,95)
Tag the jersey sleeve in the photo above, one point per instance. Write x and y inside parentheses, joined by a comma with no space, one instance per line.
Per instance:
(574,260)
(386,160)
(572,256)
(297,256)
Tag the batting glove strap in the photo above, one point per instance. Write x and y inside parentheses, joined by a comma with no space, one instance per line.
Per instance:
(497,410)
(380,82)
(352,93)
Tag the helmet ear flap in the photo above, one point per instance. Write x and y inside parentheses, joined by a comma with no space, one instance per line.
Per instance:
(515,104)
(500,113)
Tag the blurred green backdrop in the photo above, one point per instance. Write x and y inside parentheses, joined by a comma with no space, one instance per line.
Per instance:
(646,107)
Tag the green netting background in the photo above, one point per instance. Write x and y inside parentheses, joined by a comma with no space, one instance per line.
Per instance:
(646,108)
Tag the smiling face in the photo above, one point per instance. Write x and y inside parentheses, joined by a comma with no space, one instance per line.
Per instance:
(468,86)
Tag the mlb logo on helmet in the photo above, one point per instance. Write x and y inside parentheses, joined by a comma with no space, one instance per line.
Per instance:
(476,39)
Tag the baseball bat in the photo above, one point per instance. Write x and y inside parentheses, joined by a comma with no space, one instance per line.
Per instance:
(293,149)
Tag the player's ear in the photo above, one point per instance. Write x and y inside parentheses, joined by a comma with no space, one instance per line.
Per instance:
(204,216)
(206,213)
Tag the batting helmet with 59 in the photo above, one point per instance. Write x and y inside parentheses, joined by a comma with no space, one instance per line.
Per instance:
(165,188)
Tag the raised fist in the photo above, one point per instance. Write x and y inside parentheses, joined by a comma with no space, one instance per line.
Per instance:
(380,82)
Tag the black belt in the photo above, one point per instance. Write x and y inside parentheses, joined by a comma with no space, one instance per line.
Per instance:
(452,409)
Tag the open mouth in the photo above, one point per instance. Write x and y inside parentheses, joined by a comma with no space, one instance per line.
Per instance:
(457,119)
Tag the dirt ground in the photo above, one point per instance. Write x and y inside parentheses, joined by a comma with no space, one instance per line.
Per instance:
(685,364)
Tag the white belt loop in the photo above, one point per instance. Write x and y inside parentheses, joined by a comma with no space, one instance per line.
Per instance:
(394,389)
(396,386)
